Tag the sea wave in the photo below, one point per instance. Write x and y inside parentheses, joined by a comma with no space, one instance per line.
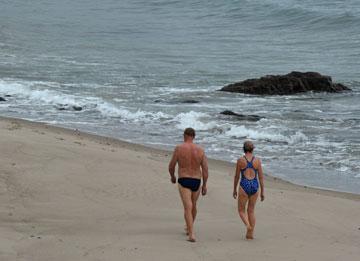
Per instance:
(243,132)
(314,16)
(27,93)
(197,120)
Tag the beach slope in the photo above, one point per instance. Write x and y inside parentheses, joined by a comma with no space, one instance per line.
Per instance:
(66,195)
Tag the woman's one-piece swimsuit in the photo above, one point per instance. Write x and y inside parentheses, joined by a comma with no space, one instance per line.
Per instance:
(250,186)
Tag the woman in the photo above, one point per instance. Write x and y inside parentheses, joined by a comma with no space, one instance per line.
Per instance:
(251,174)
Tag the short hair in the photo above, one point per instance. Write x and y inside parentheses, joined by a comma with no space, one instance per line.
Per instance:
(248,146)
(189,132)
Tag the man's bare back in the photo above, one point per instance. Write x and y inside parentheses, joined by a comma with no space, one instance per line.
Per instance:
(189,157)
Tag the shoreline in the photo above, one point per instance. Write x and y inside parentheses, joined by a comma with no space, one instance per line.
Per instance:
(278,182)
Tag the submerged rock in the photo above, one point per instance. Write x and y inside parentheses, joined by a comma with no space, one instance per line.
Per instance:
(174,101)
(241,116)
(292,83)
(189,101)
(64,107)
(77,108)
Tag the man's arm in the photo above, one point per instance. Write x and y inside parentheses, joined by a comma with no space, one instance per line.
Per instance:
(205,174)
(172,165)
(261,179)
(236,178)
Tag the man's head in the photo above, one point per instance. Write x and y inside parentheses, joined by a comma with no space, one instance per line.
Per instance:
(248,146)
(189,134)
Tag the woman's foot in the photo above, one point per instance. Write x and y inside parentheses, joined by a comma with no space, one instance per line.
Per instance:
(250,233)
(191,239)
(186,230)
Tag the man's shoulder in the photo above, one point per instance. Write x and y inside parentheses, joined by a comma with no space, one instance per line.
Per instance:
(179,146)
(199,148)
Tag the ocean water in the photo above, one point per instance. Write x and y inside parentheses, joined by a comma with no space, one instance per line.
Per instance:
(132,64)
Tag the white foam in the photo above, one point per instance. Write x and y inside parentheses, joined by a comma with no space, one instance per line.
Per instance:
(183,90)
(196,120)
(343,169)
(24,90)
(28,92)
(243,132)
(357,175)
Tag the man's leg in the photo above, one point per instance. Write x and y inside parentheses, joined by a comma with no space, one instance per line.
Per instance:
(251,213)
(242,200)
(185,195)
(194,199)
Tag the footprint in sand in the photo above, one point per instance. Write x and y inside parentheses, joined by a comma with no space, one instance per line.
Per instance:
(14,126)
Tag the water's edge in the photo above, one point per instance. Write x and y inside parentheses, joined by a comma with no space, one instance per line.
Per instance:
(165,152)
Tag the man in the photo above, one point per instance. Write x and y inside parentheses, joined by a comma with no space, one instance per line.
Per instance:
(192,167)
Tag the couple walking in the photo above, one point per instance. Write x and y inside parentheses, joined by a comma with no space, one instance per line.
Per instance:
(193,166)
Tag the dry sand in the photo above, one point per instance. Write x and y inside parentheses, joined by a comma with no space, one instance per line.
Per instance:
(66,195)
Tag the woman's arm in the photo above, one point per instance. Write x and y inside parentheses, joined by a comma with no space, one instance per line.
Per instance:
(236,178)
(261,179)
(205,174)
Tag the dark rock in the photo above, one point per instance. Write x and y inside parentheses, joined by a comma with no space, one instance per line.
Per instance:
(8,95)
(77,108)
(241,116)
(2,99)
(292,83)
(190,101)
(64,107)
(172,101)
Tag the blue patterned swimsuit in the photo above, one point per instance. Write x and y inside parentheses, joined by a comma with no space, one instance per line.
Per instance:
(250,186)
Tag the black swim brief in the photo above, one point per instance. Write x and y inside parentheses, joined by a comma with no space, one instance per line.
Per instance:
(190,183)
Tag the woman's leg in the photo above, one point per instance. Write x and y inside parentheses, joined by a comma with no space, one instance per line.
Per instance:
(251,214)
(242,200)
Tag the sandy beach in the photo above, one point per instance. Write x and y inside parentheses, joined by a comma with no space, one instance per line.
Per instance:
(67,195)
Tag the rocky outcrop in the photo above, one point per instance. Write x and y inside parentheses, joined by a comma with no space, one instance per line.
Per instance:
(241,116)
(2,99)
(292,83)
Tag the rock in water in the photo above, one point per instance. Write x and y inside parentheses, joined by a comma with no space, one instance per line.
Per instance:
(241,116)
(292,83)
(77,108)
(189,101)
(2,99)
